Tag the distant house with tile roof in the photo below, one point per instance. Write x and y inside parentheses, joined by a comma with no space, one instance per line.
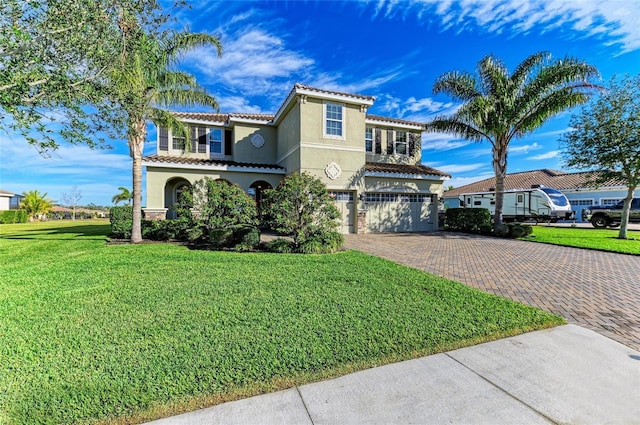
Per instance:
(576,186)
(370,164)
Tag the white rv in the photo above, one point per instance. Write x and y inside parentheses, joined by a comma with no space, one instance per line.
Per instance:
(538,203)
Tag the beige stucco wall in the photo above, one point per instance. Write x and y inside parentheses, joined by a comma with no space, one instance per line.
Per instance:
(319,151)
(245,151)
(288,133)
(157,179)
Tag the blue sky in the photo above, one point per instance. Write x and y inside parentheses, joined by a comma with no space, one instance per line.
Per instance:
(393,50)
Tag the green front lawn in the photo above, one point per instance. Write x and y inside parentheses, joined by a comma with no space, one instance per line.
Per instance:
(599,239)
(125,333)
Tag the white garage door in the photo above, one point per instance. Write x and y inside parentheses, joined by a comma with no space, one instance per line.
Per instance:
(400,212)
(344,203)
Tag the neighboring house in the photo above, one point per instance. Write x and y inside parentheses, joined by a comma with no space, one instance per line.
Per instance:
(370,164)
(576,186)
(9,200)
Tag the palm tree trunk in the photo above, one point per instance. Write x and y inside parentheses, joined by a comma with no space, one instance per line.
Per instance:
(500,170)
(136,146)
(624,220)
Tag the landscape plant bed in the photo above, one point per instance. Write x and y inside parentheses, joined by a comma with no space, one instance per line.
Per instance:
(597,239)
(126,333)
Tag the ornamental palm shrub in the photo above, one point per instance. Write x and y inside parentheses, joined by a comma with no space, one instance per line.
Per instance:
(301,207)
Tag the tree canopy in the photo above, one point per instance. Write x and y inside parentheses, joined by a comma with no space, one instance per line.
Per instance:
(54,57)
(605,136)
(498,106)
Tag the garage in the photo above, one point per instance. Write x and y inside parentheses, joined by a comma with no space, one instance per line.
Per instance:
(400,212)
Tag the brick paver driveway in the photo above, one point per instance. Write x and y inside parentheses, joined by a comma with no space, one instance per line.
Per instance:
(598,290)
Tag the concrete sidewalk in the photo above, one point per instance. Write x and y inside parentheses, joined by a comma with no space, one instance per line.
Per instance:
(568,375)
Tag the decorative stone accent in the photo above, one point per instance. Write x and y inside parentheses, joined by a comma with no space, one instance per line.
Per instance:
(155,213)
(333,171)
(257,140)
(362,222)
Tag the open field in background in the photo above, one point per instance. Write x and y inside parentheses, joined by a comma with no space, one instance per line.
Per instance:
(588,237)
(119,333)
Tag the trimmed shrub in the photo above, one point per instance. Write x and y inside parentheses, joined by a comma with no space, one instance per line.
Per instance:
(281,246)
(516,231)
(528,230)
(470,220)
(13,216)
(301,208)
(501,230)
(121,219)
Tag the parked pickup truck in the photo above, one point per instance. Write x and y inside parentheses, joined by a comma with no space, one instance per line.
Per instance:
(610,215)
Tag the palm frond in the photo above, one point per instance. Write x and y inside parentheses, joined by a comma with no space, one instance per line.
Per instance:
(459,85)
(457,127)
(181,42)
(190,96)
(525,69)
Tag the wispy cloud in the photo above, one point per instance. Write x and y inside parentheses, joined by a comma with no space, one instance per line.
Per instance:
(97,173)
(457,168)
(615,22)
(548,155)
(442,142)
(525,148)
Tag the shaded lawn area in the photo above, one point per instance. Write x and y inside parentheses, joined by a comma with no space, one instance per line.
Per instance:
(599,239)
(126,333)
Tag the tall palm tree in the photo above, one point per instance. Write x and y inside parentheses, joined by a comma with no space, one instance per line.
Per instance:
(144,81)
(125,195)
(498,106)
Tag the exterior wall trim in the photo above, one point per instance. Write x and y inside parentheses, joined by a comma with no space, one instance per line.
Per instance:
(331,147)
(288,154)
(373,123)
(405,176)
(214,167)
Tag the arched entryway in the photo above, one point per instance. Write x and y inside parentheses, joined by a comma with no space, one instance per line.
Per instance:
(172,192)
(256,190)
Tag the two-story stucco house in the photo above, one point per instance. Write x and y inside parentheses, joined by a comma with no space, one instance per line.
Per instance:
(370,164)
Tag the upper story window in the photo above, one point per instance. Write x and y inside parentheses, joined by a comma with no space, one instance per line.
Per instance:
(368,139)
(178,142)
(400,146)
(334,120)
(216,141)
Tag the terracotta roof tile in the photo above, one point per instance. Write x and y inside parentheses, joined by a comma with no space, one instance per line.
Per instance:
(202,116)
(378,167)
(524,180)
(355,96)
(393,120)
(211,162)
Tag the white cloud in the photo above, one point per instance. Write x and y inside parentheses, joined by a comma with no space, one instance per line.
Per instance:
(254,62)
(97,173)
(548,155)
(442,142)
(458,168)
(612,20)
(525,148)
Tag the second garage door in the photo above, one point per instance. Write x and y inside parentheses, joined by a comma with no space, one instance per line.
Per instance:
(400,212)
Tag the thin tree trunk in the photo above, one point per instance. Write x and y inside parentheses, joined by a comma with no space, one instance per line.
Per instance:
(136,146)
(500,170)
(624,220)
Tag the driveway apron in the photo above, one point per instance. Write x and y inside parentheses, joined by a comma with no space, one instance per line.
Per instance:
(597,290)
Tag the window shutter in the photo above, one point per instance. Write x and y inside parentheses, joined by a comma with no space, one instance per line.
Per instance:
(389,142)
(228,142)
(194,139)
(378,141)
(413,141)
(164,139)
(202,140)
